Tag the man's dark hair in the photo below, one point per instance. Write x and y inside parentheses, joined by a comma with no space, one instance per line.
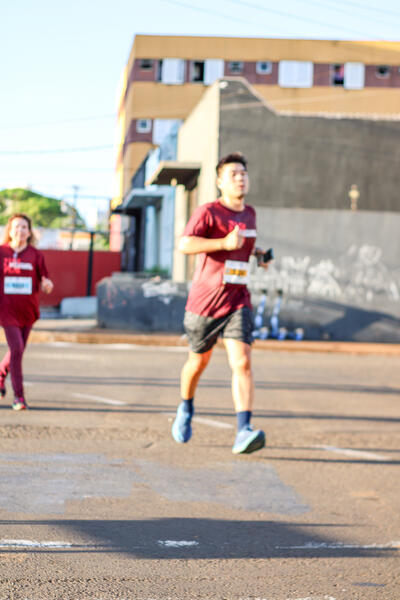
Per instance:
(233,157)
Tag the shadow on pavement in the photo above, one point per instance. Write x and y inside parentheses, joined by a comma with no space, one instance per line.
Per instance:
(197,538)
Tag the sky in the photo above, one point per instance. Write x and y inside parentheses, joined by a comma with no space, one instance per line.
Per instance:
(61,63)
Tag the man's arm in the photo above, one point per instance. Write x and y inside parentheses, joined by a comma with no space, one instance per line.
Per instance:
(191,244)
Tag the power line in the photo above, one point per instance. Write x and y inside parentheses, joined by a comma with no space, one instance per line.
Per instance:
(89,196)
(60,122)
(58,169)
(377,9)
(212,12)
(268,10)
(56,151)
(66,186)
(334,7)
(294,16)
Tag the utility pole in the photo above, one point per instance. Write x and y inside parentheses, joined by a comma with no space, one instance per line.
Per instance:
(74,213)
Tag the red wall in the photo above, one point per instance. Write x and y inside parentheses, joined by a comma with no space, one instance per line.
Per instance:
(68,271)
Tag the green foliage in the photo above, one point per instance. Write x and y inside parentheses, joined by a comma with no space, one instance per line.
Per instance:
(43,210)
(157,271)
(101,242)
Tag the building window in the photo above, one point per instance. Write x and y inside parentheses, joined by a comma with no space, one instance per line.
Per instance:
(337,75)
(264,67)
(236,66)
(146,64)
(197,71)
(382,71)
(159,66)
(143,125)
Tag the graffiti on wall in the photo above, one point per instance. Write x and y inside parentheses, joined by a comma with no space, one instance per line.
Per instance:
(358,275)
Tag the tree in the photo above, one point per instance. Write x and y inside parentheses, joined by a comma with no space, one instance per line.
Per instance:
(43,210)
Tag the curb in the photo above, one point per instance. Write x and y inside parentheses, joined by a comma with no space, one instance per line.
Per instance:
(101,336)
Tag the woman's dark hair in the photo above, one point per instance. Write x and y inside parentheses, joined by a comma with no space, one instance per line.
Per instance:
(6,234)
(233,157)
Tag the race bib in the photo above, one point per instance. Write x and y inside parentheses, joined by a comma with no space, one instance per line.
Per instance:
(236,271)
(18,285)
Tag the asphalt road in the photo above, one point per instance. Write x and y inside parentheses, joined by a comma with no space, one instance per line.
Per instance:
(97,501)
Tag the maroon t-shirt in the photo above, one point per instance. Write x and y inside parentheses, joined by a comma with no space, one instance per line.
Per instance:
(210,294)
(20,277)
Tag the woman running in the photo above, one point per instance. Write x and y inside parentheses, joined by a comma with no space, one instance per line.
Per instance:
(22,274)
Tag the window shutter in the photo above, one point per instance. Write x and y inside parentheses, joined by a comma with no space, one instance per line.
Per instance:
(294,73)
(173,71)
(213,70)
(354,76)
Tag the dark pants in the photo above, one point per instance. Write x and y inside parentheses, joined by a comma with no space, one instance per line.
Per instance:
(17,338)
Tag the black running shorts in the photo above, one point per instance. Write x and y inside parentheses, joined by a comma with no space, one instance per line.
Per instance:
(203,332)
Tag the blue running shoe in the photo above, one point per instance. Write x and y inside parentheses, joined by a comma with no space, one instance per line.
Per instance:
(182,426)
(248,440)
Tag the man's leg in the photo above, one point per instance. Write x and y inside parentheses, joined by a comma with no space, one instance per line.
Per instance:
(191,372)
(239,356)
(190,375)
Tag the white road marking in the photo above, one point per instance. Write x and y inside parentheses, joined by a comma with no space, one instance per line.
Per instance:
(314,598)
(99,399)
(144,347)
(119,346)
(32,544)
(212,423)
(177,543)
(205,421)
(64,356)
(353,453)
(59,344)
(339,546)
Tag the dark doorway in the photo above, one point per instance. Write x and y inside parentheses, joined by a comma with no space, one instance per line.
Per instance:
(133,250)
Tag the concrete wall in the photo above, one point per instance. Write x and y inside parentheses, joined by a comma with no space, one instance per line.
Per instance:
(147,305)
(310,162)
(338,272)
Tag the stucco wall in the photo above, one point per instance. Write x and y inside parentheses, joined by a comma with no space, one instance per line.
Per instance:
(241,48)
(198,141)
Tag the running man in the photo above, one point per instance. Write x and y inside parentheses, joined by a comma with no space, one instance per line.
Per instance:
(22,273)
(223,233)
